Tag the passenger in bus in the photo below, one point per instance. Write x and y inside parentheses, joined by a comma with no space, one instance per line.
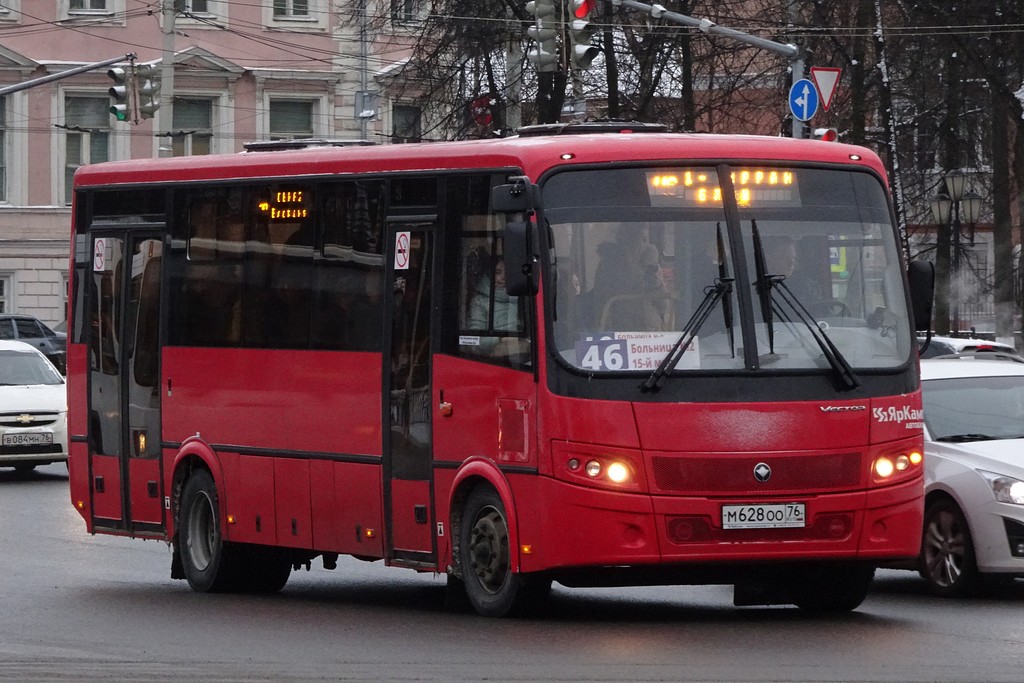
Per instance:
(503,317)
(782,258)
(629,293)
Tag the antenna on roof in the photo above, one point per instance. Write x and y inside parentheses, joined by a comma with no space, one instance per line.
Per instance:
(303,143)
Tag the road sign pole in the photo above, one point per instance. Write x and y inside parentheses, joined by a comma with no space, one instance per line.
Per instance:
(798,75)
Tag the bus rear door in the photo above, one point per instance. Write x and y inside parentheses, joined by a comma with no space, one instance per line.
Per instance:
(124,379)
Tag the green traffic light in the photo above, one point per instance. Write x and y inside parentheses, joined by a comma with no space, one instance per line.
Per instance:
(120,112)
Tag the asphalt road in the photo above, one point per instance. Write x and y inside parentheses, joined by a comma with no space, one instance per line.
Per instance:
(93,608)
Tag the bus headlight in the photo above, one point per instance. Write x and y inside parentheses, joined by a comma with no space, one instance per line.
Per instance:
(884,467)
(607,467)
(618,472)
(898,466)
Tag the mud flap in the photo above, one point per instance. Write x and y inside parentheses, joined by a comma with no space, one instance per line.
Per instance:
(177,570)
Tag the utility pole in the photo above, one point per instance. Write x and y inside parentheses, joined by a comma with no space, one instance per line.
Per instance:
(166,148)
(789,51)
(365,109)
(514,82)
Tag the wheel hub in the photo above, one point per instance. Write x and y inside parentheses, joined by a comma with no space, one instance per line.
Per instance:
(488,549)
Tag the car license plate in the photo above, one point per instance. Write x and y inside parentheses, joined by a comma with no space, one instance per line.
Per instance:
(28,439)
(770,516)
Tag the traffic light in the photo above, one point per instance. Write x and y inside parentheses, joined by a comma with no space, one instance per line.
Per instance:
(147,84)
(581,32)
(121,93)
(545,53)
(826,134)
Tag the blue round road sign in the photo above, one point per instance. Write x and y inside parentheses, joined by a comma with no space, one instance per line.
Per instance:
(803,100)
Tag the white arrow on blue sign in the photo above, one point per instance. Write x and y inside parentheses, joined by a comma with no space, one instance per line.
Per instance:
(803,100)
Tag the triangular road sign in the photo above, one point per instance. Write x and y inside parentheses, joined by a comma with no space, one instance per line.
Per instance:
(825,80)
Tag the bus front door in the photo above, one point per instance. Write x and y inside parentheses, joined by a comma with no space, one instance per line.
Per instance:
(408,441)
(124,380)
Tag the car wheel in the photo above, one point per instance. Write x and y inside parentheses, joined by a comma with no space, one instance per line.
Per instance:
(947,561)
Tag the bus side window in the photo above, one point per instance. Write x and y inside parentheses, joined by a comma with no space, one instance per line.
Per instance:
(348,275)
(215,248)
(481,320)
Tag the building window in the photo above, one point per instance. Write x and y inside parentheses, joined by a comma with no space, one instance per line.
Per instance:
(405,123)
(192,6)
(104,10)
(291,9)
(3,149)
(403,11)
(10,11)
(291,119)
(5,293)
(194,117)
(88,138)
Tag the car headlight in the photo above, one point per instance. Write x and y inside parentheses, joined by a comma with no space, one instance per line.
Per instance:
(1005,489)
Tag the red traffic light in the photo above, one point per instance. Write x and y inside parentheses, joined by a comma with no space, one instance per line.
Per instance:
(826,134)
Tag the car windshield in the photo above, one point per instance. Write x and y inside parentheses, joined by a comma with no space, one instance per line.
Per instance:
(645,256)
(19,368)
(974,408)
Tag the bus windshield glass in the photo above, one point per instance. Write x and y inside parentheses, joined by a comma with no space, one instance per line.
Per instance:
(644,256)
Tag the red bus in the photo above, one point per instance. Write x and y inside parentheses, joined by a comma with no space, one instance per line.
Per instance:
(611,357)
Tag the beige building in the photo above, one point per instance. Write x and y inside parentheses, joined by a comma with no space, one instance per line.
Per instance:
(252,71)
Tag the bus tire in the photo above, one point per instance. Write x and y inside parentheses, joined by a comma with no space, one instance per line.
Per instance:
(207,561)
(831,589)
(269,570)
(493,589)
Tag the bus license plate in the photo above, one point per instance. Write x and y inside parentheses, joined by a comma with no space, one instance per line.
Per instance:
(28,439)
(774,516)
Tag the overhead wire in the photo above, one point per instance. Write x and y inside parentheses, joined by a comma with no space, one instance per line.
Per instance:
(304,53)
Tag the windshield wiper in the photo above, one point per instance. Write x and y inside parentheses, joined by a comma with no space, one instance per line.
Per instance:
(721,289)
(767,287)
(963,438)
(712,295)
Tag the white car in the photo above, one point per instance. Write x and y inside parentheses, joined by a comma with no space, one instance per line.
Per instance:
(974,473)
(33,408)
(944,346)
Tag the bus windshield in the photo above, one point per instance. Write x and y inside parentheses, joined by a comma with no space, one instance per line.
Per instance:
(645,256)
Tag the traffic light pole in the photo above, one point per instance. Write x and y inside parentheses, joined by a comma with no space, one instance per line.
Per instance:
(18,87)
(791,52)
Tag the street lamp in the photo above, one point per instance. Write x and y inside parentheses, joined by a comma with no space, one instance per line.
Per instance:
(953,206)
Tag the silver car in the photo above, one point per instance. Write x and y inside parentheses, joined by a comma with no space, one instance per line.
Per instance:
(33,409)
(974,473)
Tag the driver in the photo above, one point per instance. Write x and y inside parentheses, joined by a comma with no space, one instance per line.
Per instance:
(781,259)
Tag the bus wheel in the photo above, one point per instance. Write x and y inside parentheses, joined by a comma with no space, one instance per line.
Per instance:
(491,585)
(205,558)
(831,589)
(269,570)
(947,561)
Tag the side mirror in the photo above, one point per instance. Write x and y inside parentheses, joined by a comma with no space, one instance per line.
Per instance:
(519,259)
(519,195)
(921,277)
